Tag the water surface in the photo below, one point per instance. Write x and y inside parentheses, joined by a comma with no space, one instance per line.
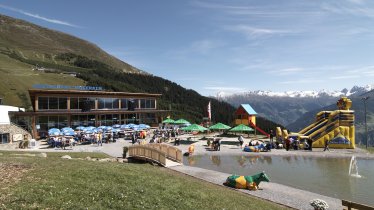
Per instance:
(326,176)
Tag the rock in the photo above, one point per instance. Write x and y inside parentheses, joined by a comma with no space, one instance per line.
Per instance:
(125,160)
(88,158)
(43,154)
(66,157)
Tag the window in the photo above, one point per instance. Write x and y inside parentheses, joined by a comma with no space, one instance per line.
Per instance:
(124,103)
(4,138)
(74,104)
(42,102)
(62,103)
(108,103)
(45,103)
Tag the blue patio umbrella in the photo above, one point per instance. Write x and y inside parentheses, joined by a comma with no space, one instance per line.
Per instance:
(102,127)
(116,126)
(54,132)
(66,129)
(79,128)
(69,133)
(124,126)
(131,125)
(144,126)
(107,128)
(89,132)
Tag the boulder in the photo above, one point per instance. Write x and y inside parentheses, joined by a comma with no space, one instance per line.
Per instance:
(88,158)
(66,157)
(43,154)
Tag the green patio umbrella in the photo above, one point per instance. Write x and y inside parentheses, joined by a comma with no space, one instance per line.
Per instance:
(241,128)
(219,126)
(168,120)
(194,127)
(181,121)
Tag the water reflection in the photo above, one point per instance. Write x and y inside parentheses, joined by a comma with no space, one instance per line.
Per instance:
(328,176)
(216,160)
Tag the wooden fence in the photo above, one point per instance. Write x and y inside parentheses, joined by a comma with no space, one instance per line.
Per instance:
(156,152)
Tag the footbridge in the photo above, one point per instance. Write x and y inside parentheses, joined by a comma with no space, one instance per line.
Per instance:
(162,154)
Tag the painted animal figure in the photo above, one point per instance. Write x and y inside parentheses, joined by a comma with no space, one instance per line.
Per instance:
(246,182)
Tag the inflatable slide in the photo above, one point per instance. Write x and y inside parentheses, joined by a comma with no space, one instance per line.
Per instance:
(336,127)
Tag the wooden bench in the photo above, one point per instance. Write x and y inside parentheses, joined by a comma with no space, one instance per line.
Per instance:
(351,205)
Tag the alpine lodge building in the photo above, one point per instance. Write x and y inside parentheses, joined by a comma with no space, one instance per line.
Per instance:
(58,108)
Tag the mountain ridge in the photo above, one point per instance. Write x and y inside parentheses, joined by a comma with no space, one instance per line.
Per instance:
(309,93)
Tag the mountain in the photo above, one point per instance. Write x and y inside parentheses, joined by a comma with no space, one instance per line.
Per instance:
(286,107)
(30,54)
(37,43)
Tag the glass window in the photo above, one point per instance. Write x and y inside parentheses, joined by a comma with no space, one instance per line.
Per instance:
(91,120)
(108,103)
(4,138)
(74,103)
(62,103)
(62,121)
(136,101)
(153,104)
(91,102)
(142,104)
(42,102)
(124,103)
(101,102)
(115,103)
(53,103)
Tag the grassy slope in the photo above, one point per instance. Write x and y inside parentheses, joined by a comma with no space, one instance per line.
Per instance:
(39,43)
(55,183)
(18,77)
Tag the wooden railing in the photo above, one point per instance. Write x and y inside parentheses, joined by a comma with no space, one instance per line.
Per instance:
(156,152)
(351,205)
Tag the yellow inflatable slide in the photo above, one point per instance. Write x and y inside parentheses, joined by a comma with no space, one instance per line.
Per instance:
(336,127)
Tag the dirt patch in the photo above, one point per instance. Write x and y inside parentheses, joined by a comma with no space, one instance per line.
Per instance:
(11,173)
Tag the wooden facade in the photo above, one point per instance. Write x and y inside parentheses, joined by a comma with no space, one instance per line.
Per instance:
(68,108)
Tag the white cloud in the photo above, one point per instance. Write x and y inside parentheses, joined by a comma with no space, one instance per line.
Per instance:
(60,22)
(205,46)
(344,9)
(357,1)
(287,71)
(258,11)
(225,88)
(301,81)
(253,32)
(345,77)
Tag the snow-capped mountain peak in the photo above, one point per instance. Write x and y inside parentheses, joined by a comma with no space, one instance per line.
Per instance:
(302,94)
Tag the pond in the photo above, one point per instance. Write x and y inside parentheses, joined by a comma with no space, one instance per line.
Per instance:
(326,176)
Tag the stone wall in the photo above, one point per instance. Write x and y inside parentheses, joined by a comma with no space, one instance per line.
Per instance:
(13,130)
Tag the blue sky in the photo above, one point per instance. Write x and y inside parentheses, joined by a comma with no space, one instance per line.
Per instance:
(229,46)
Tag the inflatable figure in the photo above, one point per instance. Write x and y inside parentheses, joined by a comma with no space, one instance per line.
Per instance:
(191,149)
(246,182)
(344,103)
(257,148)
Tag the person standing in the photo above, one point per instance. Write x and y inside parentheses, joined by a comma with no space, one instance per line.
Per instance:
(241,141)
(100,139)
(310,143)
(326,145)
(271,137)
